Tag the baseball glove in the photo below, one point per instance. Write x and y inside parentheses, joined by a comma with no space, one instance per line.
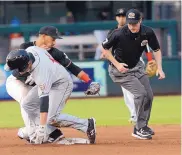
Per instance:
(93,89)
(151,68)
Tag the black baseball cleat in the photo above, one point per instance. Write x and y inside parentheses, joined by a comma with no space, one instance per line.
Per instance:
(91,131)
(55,136)
(142,133)
(151,131)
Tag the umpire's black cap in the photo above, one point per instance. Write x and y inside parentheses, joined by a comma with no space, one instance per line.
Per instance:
(133,16)
(121,12)
(50,31)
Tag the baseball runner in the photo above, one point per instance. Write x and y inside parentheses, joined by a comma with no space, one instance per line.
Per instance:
(128,97)
(23,85)
(126,68)
(53,87)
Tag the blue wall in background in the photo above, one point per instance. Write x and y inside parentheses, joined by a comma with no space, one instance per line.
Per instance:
(3,77)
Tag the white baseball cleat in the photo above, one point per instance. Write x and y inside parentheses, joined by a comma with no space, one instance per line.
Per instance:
(23,133)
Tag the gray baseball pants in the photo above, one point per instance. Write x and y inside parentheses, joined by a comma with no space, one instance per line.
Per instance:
(137,82)
(57,99)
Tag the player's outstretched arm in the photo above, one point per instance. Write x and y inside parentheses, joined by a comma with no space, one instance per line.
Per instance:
(64,60)
(84,76)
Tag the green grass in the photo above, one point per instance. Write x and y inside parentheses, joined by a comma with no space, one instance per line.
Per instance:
(107,111)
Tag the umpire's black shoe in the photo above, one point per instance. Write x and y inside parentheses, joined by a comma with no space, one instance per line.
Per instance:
(91,131)
(142,133)
(151,131)
(55,136)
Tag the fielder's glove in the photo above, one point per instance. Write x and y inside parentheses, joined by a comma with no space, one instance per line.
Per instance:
(151,68)
(41,134)
(93,89)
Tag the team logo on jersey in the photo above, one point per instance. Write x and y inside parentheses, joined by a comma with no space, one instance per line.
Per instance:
(144,42)
(131,15)
(42,87)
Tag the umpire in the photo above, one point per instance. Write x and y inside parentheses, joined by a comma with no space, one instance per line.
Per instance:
(125,69)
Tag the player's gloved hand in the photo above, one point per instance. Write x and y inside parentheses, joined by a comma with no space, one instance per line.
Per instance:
(41,134)
(30,81)
(151,68)
(93,89)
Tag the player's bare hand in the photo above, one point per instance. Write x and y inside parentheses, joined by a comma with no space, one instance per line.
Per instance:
(122,67)
(160,73)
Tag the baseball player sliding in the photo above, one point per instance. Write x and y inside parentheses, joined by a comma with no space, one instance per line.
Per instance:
(26,94)
(54,86)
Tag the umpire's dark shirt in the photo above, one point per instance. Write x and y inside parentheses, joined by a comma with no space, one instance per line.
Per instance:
(128,47)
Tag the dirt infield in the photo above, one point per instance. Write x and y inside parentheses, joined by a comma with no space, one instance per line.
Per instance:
(110,141)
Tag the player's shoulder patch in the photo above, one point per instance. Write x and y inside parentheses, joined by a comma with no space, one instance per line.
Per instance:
(105,41)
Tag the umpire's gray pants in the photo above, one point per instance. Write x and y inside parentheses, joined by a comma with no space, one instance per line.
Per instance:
(136,81)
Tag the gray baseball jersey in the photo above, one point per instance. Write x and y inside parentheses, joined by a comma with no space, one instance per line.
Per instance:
(46,71)
(52,79)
